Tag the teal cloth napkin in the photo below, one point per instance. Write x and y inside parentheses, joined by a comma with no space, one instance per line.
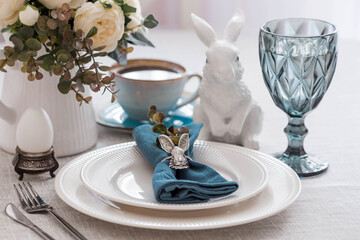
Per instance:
(199,183)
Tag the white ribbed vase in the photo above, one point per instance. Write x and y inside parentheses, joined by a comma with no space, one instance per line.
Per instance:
(74,126)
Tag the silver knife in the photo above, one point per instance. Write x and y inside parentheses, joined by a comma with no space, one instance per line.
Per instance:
(14,213)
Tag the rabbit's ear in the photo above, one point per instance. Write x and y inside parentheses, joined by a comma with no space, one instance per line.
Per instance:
(166,144)
(233,28)
(204,31)
(184,142)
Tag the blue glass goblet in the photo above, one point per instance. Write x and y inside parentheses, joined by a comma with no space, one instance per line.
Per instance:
(298,59)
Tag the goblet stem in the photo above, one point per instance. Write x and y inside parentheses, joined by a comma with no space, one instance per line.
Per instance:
(295,155)
(296,132)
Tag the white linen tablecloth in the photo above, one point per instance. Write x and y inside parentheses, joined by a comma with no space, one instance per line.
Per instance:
(329,204)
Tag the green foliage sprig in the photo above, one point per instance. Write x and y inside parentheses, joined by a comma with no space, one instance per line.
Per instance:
(66,49)
(159,127)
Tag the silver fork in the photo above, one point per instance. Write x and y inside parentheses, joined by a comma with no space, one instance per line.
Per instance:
(33,203)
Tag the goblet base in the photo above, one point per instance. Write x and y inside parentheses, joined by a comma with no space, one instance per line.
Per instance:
(305,165)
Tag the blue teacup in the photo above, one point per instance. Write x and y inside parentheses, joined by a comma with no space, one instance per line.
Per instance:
(145,82)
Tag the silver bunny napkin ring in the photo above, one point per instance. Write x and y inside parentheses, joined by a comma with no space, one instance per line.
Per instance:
(178,159)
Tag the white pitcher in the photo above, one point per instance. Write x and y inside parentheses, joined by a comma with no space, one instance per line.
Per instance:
(74,126)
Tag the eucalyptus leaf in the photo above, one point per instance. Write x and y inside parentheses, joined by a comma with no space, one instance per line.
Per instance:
(15,25)
(5,30)
(43,38)
(119,2)
(85,60)
(42,23)
(88,99)
(31,77)
(63,57)
(175,140)
(159,117)
(100,54)
(26,32)
(33,44)
(64,86)
(17,42)
(173,130)
(150,22)
(127,20)
(98,49)
(183,130)
(46,62)
(92,32)
(151,114)
(58,69)
(128,9)
(159,128)
(104,68)
(139,39)
(79,97)
(115,55)
(52,24)
(24,56)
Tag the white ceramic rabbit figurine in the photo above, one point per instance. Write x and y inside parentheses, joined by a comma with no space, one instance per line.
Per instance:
(226,107)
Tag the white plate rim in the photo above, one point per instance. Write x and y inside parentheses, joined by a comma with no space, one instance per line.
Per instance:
(296,189)
(178,207)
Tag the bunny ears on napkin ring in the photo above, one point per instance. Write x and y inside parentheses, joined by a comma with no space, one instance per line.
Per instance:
(178,159)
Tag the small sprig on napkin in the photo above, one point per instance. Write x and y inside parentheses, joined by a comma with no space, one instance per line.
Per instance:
(172,132)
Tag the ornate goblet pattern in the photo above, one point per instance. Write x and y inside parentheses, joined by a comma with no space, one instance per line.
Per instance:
(298,59)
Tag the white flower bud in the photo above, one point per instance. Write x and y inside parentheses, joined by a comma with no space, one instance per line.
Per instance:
(29,15)
(54,4)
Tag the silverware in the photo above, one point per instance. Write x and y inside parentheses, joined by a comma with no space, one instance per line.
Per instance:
(19,217)
(33,203)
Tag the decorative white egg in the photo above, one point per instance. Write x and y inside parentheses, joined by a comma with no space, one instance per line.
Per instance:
(34,133)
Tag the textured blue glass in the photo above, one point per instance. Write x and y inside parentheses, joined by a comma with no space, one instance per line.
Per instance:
(298,59)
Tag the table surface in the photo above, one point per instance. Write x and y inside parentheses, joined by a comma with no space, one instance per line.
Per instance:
(328,206)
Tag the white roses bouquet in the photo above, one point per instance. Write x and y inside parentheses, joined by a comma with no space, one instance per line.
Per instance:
(63,37)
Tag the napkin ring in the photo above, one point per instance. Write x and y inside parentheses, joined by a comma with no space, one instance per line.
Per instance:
(178,159)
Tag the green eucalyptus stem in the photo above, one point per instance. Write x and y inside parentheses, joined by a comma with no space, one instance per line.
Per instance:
(81,96)
(65,69)
(97,72)
(96,69)
(49,51)
(78,64)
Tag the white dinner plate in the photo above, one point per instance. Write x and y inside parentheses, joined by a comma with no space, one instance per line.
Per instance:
(283,188)
(124,176)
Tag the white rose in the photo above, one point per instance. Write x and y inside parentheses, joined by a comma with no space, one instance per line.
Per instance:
(53,4)
(109,22)
(29,15)
(9,11)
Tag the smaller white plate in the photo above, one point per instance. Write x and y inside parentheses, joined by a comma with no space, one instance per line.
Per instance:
(126,177)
